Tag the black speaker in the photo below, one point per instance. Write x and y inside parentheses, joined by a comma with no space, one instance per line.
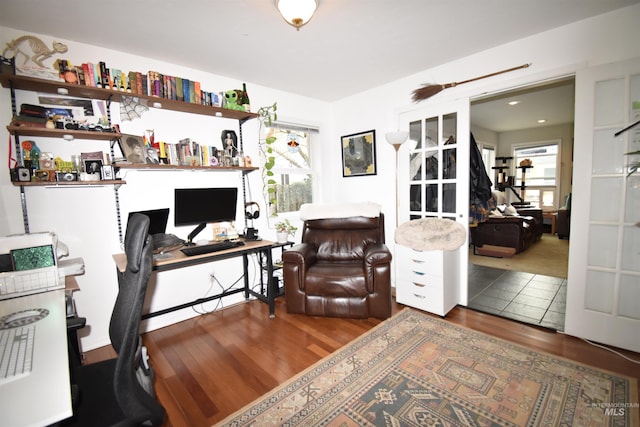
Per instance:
(252,210)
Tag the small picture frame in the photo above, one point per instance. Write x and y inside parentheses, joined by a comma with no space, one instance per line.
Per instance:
(93,166)
(107,172)
(133,148)
(359,154)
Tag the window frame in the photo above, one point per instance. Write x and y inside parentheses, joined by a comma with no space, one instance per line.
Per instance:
(541,188)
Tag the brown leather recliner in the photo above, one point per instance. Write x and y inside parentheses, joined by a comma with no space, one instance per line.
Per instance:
(342,268)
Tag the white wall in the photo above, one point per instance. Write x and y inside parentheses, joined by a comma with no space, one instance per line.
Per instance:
(85,218)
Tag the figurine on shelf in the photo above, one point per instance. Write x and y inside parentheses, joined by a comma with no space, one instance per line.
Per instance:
(232,97)
(39,48)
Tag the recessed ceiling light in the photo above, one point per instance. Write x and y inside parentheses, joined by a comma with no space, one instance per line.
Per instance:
(513,102)
(542,121)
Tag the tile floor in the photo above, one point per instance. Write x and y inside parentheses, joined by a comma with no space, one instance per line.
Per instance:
(526,297)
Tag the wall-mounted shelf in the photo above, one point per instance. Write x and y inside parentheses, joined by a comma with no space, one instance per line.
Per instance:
(117,182)
(144,166)
(51,86)
(61,133)
(33,84)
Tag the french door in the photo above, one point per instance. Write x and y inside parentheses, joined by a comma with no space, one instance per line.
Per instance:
(434,171)
(603,295)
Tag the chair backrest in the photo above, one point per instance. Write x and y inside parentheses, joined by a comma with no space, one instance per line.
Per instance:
(134,387)
(343,239)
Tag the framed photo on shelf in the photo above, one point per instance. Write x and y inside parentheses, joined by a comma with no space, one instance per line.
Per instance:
(93,166)
(133,148)
(359,154)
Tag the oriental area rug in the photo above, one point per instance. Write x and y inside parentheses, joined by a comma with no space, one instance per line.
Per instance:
(417,370)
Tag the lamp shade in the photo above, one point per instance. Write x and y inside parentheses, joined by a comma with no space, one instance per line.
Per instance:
(297,12)
(396,138)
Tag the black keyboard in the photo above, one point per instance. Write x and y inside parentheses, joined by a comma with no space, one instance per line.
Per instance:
(213,247)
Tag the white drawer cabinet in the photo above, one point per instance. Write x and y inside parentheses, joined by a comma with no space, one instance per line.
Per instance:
(427,280)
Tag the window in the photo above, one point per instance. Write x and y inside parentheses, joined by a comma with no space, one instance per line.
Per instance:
(291,178)
(541,181)
(489,159)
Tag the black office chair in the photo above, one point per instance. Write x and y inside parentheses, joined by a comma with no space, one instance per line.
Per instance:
(119,392)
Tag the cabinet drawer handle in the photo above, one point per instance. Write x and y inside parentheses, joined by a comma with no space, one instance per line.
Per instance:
(419,273)
(420,285)
(419,296)
(418,261)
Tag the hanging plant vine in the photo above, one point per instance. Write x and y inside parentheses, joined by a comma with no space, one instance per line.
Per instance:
(266,116)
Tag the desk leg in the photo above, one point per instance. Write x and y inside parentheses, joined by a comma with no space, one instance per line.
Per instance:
(245,265)
(271,293)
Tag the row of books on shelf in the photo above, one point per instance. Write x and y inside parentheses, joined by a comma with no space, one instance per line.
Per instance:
(153,83)
(184,153)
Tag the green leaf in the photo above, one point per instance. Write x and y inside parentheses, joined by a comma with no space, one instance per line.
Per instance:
(271,182)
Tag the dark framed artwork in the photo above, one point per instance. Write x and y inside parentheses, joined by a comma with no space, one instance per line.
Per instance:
(359,154)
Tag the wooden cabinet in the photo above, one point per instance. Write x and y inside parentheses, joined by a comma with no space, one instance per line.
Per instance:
(427,280)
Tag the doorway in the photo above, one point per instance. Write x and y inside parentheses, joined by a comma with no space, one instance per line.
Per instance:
(529,286)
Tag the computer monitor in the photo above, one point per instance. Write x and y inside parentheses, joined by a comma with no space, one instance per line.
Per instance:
(202,206)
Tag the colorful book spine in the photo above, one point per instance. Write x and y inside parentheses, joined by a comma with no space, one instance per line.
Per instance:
(179,89)
(185,90)
(104,75)
(192,91)
(197,95)
(97,78)
(131,84)
(91,80)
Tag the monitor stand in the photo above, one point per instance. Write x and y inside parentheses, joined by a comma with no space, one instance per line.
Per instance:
(194,233)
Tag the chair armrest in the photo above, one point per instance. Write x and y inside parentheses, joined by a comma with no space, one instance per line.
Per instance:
(377,265)
(303,254)
(377,254)
(296,261)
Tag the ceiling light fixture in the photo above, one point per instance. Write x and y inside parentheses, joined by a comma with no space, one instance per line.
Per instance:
(297,12)
(542,121)
(513,102)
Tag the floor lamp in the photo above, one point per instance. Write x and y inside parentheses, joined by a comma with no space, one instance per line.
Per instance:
(396,139)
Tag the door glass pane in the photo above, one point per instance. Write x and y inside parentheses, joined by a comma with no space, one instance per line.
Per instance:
(631,250)
(609,110)
(632,204)
(415,167)
(431,197)
(605,198)
(449,198)
(603,246)
(431,132)
(449,166)
(415,134)
(431,162)
(629,296)
(599,291)
(450,127)
(608,153)
(415,198)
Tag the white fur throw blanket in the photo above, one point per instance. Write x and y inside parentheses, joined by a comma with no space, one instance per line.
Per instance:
(310,211)
(430,234)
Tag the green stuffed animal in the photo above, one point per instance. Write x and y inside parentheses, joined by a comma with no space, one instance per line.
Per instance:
(233,97)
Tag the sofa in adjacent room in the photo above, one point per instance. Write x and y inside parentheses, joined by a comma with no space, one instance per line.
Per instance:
(509,227)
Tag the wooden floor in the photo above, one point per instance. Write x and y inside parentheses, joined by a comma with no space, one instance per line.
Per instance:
(209,367)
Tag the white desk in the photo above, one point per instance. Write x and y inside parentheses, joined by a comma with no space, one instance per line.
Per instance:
(44,396)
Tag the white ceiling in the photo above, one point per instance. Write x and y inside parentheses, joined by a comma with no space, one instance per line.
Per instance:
(348,46)
(553,102)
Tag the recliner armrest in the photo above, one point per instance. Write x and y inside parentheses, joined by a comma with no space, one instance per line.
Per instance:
(302,253)
(377,254)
